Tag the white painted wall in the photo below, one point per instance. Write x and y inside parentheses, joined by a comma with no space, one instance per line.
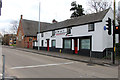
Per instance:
(108,39)
(100,37)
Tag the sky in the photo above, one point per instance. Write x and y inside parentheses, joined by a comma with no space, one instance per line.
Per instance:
(49,10)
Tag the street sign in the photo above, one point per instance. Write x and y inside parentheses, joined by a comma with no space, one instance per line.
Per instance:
(105,28)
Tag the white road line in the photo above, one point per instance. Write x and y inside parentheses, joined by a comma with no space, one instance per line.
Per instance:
(22,67)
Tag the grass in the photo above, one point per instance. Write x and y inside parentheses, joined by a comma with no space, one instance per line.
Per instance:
(13,45)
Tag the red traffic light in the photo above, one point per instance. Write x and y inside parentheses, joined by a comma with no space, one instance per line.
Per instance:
(117,27)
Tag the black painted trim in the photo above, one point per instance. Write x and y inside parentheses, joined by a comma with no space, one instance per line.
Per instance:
(64,45)
(29,36)
(93,27)
(95,54)
(86,37)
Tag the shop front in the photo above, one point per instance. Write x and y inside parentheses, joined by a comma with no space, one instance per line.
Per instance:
(78,45)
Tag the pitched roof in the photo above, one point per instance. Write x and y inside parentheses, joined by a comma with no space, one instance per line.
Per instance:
(85,19)
(30,28)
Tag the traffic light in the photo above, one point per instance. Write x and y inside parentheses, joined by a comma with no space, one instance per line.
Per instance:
(0,3)
(117,29)
(109,26)
(0,6)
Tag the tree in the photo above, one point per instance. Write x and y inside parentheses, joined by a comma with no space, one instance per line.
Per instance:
(77,10)
(118,15)
(14,26)
(118,19)
(98,5)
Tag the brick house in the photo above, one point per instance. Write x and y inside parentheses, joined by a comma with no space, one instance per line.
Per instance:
(9,39)
(27,32)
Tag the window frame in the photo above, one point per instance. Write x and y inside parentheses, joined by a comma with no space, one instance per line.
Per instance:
(90,26)
(64,44)
(30,39)
(42,35)
(52,44)
(90,38)
(20,36)
(53,33)
(68,30)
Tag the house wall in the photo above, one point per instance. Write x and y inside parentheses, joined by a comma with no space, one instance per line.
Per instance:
(20,43)
(24,42)
(29,43)
(78,32)
(99,38)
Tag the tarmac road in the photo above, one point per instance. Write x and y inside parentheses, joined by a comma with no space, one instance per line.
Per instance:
(23,64)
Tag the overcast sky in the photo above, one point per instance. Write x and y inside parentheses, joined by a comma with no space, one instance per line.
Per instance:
(50,9)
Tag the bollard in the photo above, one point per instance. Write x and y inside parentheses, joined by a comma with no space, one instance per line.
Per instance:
(3,72)
(60,51)
(111,57)
(90,57)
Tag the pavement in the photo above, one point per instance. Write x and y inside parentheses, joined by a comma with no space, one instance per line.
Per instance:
(104,62)
(0,61)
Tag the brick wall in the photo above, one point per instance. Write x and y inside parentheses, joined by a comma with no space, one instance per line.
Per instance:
(20,43)
(25,41)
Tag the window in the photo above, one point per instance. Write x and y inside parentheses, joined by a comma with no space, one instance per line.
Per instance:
(42,43)
(41,34)
(68,30)
(91,27)
(85,43)
(30,38)
(67,44)
(53,33)
(19,36)
(53,43)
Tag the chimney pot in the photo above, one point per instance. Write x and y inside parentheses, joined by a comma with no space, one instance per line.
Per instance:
(21,16)
(54,21)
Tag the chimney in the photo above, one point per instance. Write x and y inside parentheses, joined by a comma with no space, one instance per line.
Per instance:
(21,16)
(54,21)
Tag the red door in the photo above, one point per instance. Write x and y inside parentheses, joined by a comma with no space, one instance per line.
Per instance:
(27,44)
(75,46)
(47,45)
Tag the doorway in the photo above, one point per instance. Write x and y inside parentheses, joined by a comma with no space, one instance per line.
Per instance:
(47,44)
(76,46)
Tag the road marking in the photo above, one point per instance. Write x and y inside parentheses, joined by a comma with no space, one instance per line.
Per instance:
(45,65)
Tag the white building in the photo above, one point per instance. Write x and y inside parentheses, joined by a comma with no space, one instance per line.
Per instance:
(78,36)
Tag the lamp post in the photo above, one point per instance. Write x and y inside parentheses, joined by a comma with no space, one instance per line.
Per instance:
(39,28)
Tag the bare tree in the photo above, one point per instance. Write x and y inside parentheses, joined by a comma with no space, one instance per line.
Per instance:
(118,15)
(99,5)
(3,31)
(14,26)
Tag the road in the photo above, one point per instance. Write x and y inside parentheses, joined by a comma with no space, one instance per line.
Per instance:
(23,64)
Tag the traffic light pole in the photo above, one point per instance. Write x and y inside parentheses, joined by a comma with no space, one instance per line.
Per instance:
(113,57)
(114,36)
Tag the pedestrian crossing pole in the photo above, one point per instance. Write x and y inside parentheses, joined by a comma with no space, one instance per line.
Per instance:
(3,69)
(39,29)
